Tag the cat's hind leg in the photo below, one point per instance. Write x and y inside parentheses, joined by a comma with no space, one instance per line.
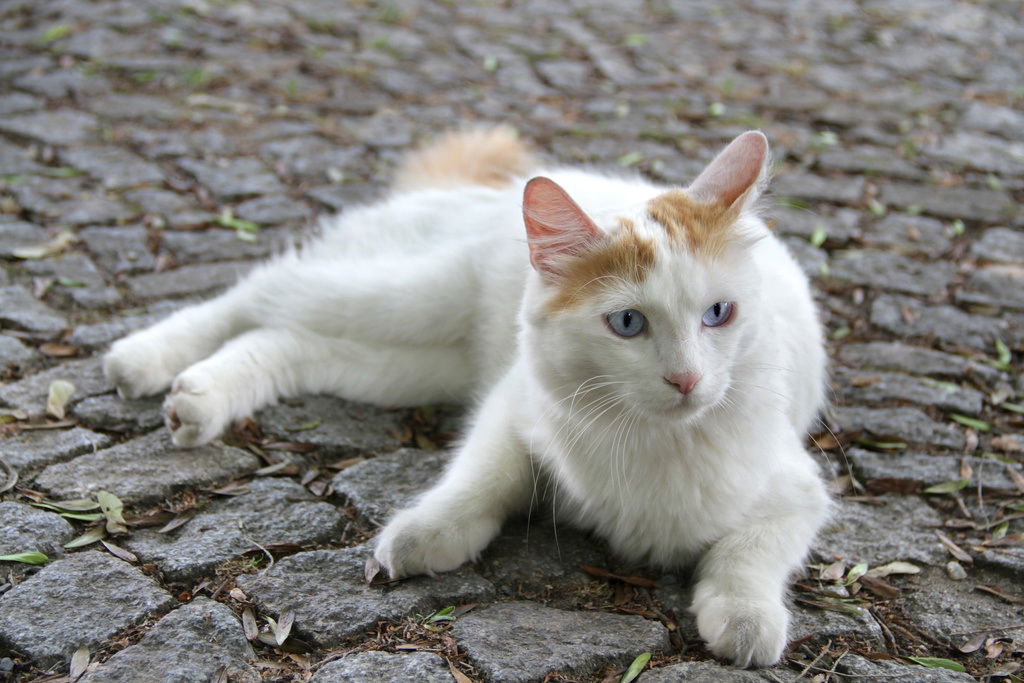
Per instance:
(256,368)
(144,363)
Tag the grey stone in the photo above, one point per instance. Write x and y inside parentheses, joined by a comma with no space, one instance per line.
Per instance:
(814,187)
(202,278)
(841,227)
(30,393)
(112,413)
(200,246)
(901,529)
(1001,245)
(524,641)
(339,197)
(63,83)
(46,446)
(813,261)
(58,127)
(873,387)
(820,624)
(82,600)
(891,271)
(145,469)
(16,102)
(99,334)
(14,354)
(926,470)
(909,234)
(312,157)
(120,250)
(26,529)
(708,672)
(908,317)
(982,152)
(384,667)
(997,285)
(538,560)
(97,209)
(992,206)
(870,161)
(234,178)
(857,669)
(386,128)
(270,511)
(331,601)
(86,287)
(994,119)
(274,210)
(945,608)
(906,358)
(207,631)
(900,424)
(132,106)
(17,234)
(343,427)
(20,309)
(380,486)
(564,75)
(113,166)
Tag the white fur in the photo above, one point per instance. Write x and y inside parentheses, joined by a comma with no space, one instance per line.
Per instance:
(429,296)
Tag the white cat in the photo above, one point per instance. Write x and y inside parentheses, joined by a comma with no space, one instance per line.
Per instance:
(654,352)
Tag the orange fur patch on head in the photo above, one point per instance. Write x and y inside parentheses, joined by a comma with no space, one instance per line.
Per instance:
(623,256)
(703,228)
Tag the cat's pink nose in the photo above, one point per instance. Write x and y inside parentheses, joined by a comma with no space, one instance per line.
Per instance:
(684,381)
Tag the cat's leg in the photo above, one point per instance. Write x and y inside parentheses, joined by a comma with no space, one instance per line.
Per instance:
(742,578)
(256,368)
(489,478)
(145,362)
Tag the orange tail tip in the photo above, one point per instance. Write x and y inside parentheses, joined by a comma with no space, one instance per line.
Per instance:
(489,156)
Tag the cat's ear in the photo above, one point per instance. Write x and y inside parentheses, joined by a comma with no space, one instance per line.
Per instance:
(556,227)
(734,177)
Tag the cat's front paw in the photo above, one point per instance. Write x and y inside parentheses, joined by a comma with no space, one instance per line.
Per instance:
(746,631)
(417,541)
(195,412)
(136,368)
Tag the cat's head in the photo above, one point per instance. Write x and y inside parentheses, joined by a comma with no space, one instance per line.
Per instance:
(646,309)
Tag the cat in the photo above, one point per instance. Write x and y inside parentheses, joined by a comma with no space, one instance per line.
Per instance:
(654,352)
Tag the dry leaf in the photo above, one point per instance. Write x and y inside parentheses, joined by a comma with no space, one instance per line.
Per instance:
(879,587)
(79,663)
(954,550)
(966,471)
(59,395)
(252,631)
(458,675)
(897,567)
(113,510)
(641,581)
(1005,443)
(1016,477)
(58,350)
(865,381)
(283,628)
(177,521)
(372,569)
(973,644)
(1013,599)
(825,442)
(41,251)
(120,552)
(834,571)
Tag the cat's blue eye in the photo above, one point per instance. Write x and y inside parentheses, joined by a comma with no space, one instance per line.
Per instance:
(627,323)
(717,315)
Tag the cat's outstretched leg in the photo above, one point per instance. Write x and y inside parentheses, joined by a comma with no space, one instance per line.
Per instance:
(742,578)
(490,478)
(255,368)
(144,363)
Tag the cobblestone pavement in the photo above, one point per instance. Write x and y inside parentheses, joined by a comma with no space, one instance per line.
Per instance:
(151,150)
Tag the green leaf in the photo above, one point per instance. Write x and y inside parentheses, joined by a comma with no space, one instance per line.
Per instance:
(70,282)
(636,667)
(304,427)
(443,614)
(958,227)
(630,158)
(75,505)
(27,558)
(83,516)
(938,663)
(840,333)
(635,40)
(876,207)
(881,445)
(1012,407)
(856,572)
(818,236)
(1000,531)
(247,231)
(948,486)
(55,33)
(112,508)
(60,393)
(716,109)
(89,537)
(980,425)
(490,63)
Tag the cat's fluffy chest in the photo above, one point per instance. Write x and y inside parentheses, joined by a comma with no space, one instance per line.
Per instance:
(663,494)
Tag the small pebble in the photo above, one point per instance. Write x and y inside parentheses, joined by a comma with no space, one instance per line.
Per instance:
(956,571)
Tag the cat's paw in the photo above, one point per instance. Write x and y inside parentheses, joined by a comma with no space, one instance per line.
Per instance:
(136,368)
(417,541)
(746,631)
(195,412)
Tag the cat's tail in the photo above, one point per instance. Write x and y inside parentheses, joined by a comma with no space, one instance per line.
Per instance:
(487,156)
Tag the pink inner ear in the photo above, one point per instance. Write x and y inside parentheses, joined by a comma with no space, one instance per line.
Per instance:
(555,225)
(734,171)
